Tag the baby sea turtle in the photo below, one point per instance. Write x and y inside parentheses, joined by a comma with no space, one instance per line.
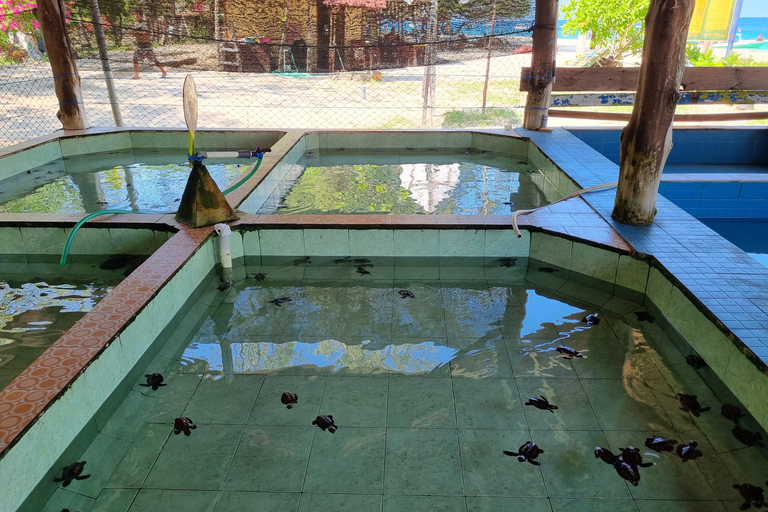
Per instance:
(592,319)
(628,472)
(732,412)
(606,455)
(361,261)
(154,381)
(644,316)
(405,294)
(752,494)
(72,472)
(280,300)
(631,455)
(289,398)
(183,424)
(689,403)
(747,437)
(696,361)
(362,271)
(342,260)
(688,451)
(527,452)
(541,403)
(568,352)
(507,262)
(259,276)
(301,261)
(325,422)
(548,270)
(660,444)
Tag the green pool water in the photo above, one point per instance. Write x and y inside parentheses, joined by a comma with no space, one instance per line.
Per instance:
(427,393)
(339,181)
(141,181)
(37,308)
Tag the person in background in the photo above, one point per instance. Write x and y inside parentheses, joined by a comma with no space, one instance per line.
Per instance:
(144,49)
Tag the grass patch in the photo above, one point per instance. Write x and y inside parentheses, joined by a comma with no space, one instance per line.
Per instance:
(476,118)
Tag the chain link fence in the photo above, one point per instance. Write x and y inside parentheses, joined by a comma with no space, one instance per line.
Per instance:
(378,64)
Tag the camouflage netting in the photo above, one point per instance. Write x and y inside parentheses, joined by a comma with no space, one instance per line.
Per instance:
(286,64)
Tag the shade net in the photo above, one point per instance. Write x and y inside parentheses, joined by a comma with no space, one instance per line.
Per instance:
(374,64)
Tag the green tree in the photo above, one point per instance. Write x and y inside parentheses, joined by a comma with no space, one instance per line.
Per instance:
(617,26)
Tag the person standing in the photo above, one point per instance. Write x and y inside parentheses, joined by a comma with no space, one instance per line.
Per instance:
(144,49)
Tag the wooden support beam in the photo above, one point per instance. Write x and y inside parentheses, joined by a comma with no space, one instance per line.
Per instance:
(608,99)
(543,65)
(679,118)
(625,79)
(50,14)
(647,138)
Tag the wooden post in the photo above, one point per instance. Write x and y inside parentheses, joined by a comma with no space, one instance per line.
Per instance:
(647,138)
(98,30)
(50,14)
(542,65)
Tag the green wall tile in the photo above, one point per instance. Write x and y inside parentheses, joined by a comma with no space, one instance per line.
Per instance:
(161,309)
(160,139)
(64,420)
(183,285)
(43,240)
(114,500)
(632,273)
(132,241)
(90,241)
(89,144)
(67,499)
(746,381)
(22,467)
(416,242)
(326,242)
(461,242)
(683,314)
(281,242)
(594,262)
(712,345)
(103,376)
(137,338)
(371,242)
(659,290)
(29,158)
(311,142)
(551,249)
(251,246)
(11,241)
(504,243)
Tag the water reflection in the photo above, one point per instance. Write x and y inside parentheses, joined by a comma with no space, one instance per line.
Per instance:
(143,182)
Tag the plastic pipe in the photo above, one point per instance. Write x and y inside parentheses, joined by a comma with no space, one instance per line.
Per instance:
(246,178)
(228,154)
(82,221)
(569,196)
(225,252)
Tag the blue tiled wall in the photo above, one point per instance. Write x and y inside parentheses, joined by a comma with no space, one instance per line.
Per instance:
(717,199)
(693,146)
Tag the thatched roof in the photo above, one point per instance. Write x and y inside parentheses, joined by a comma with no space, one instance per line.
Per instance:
(370,4)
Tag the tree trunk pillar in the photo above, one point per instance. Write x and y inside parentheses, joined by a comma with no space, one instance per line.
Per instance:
(50,14)
(543,61)
(647,138)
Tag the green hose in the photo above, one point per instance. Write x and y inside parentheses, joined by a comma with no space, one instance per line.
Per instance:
(88,217)
(247,177)
(82,221)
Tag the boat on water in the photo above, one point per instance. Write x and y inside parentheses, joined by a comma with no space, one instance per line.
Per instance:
(746,44)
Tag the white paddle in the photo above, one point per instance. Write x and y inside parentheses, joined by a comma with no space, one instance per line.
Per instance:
(190,110)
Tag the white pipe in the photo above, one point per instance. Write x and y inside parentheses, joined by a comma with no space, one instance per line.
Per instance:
(227,154)
(225,253)
(569,196)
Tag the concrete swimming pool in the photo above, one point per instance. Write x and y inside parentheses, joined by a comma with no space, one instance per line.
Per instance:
(488,313)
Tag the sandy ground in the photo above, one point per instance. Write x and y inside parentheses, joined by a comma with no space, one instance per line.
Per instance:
(246,100)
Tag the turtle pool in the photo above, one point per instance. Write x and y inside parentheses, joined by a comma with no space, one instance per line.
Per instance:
(427,389)
(134,180)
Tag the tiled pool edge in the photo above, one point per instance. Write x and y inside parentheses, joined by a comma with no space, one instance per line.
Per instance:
(718,298)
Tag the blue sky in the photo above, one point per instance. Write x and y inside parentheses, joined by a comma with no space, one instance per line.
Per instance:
(749,9)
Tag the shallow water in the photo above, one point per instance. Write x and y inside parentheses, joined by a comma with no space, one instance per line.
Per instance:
(398,182)
(136,181)
(427,393)
(35,310)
